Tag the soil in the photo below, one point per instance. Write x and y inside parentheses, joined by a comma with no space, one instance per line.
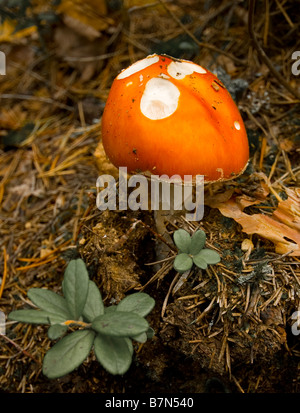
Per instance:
(181,357)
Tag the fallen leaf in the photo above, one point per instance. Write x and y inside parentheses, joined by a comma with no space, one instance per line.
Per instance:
(288,211)
(9,34)
(87,18)
(285,238)
(282,228)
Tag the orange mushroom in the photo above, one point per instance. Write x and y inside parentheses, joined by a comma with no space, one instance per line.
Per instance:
(169,116)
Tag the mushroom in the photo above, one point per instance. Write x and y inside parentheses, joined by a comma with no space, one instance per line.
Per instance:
(168,116)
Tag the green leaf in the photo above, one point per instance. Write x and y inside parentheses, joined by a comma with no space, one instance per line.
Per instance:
(120,324)
(114,353)
(182,263)
(49,301)
(68,353)
(94,304)
(111,308)
(35,317)
(197,242)
(56,330)
(75,287)
(182,240)
(138,303)
(199,261)
(141,338)
(150,333)
(210,256)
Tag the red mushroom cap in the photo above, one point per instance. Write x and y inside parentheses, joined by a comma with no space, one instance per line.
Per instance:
(173,117)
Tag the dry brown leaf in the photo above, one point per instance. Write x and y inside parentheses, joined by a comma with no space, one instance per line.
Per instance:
(288,211)
(286,239)
(86,18)
(81,28)
(282,228)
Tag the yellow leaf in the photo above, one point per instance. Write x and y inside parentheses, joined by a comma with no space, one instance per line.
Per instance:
(8,33)
(87,18)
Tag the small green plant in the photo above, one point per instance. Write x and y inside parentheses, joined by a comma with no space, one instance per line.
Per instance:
(192,251)
(108,330)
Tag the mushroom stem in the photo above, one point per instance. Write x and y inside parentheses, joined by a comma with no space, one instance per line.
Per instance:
(173,200)
(162,217)
(181,198)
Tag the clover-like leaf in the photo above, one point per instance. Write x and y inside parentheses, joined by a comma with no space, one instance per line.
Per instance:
(182,240)
(197,242)
(210,256)
(200,261)
(182,263)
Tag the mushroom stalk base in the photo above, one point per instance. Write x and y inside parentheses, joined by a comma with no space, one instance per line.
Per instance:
(163,217)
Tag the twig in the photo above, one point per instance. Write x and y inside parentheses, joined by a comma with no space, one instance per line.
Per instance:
(194,38)
(88,59)
(291,24)
(144,6)
(237,384)
(267,260)
(25,352)
(263,55)
(161,261)
(164,306)
(77,323)
(38,98)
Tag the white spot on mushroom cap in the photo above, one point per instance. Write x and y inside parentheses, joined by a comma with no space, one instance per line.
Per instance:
(138,66)
(160,99)
(237,125)
(178,70)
